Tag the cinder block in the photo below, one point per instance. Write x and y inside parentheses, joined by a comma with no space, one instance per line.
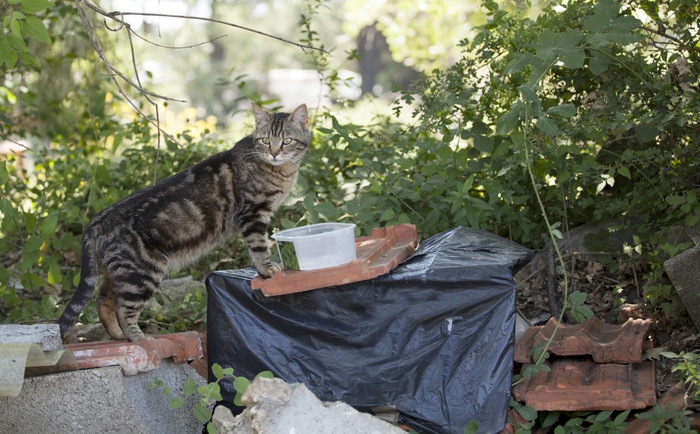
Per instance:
(47,335)
(102,400)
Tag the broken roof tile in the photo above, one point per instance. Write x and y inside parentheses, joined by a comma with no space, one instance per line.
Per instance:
(573,385)
(604,342)
(135,357)
(377,254)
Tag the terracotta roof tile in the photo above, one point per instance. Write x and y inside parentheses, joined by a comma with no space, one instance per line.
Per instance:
(604,342)
(135,357)
(377,254)
(574,385)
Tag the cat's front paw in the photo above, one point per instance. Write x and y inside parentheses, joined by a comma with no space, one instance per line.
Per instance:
(267,270)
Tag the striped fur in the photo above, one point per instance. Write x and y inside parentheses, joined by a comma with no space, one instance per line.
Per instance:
(134,243)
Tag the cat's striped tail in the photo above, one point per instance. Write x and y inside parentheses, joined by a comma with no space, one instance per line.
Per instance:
(89,273)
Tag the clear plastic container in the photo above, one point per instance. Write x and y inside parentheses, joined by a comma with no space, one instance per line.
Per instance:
(316,246)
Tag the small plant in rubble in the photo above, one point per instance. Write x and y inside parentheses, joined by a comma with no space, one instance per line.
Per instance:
(209,394)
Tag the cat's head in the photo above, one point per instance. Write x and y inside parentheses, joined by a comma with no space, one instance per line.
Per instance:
(281,137)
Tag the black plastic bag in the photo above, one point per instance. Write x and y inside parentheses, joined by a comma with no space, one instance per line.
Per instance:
(434,338)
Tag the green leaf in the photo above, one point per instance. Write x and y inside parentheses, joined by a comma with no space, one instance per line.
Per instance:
(29,59)
(510,120)
(483,143)
(599,63)
(217,371)
(17,42)
(4,175)
(4,275)
(11,59)
(563,111)
(54,276)
(581,313)
(240,384)
(190,387)
(624,171)
(531,98)
(562,46)
(675,200)
(4,53)
(34,6)
(472,427)
(547,126)
(211,428)
(646,133)
(32,281)
(387,215)
(176,403)
(202,412)
(265,374)
(327,210)
(577,298)
(15,28)
(48,226)
(527,412)
(550,419)
(34,28)
(622,417)
(519,63)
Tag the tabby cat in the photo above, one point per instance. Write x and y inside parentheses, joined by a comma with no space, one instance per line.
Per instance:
(135,242)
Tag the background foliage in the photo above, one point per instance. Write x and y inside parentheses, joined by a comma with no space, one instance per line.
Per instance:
(586,110)
(594,104)
(597,100)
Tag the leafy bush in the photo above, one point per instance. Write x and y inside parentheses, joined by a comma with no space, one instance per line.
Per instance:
(597,105)
(44,212)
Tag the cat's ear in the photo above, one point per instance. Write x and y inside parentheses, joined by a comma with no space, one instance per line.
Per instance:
(300,116)
(261,116)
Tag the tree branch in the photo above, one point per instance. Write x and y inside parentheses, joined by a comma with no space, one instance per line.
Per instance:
(115,14)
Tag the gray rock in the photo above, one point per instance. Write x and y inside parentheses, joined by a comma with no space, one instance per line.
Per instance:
(274,407)
(684,272)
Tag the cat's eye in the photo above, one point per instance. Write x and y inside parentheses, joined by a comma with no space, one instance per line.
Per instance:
(265,140)
(286,141)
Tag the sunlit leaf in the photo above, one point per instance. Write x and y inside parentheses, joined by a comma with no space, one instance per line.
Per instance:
(34,6)
(34,28)
(565,110)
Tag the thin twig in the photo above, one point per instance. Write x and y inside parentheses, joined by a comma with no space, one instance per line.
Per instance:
(155,169)
(680,43)
(114,72)
(114,14)
(176,47)
(97,45)
(26,148)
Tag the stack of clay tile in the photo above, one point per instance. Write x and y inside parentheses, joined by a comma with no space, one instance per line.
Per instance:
(593,366)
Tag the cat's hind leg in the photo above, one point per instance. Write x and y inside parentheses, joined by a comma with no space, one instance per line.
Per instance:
(106,309)
(132,290)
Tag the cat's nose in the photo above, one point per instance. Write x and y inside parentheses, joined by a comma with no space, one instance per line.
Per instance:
(275,151)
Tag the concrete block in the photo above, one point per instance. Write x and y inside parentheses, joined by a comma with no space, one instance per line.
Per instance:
(684,272)
(102,400)
(47,335)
